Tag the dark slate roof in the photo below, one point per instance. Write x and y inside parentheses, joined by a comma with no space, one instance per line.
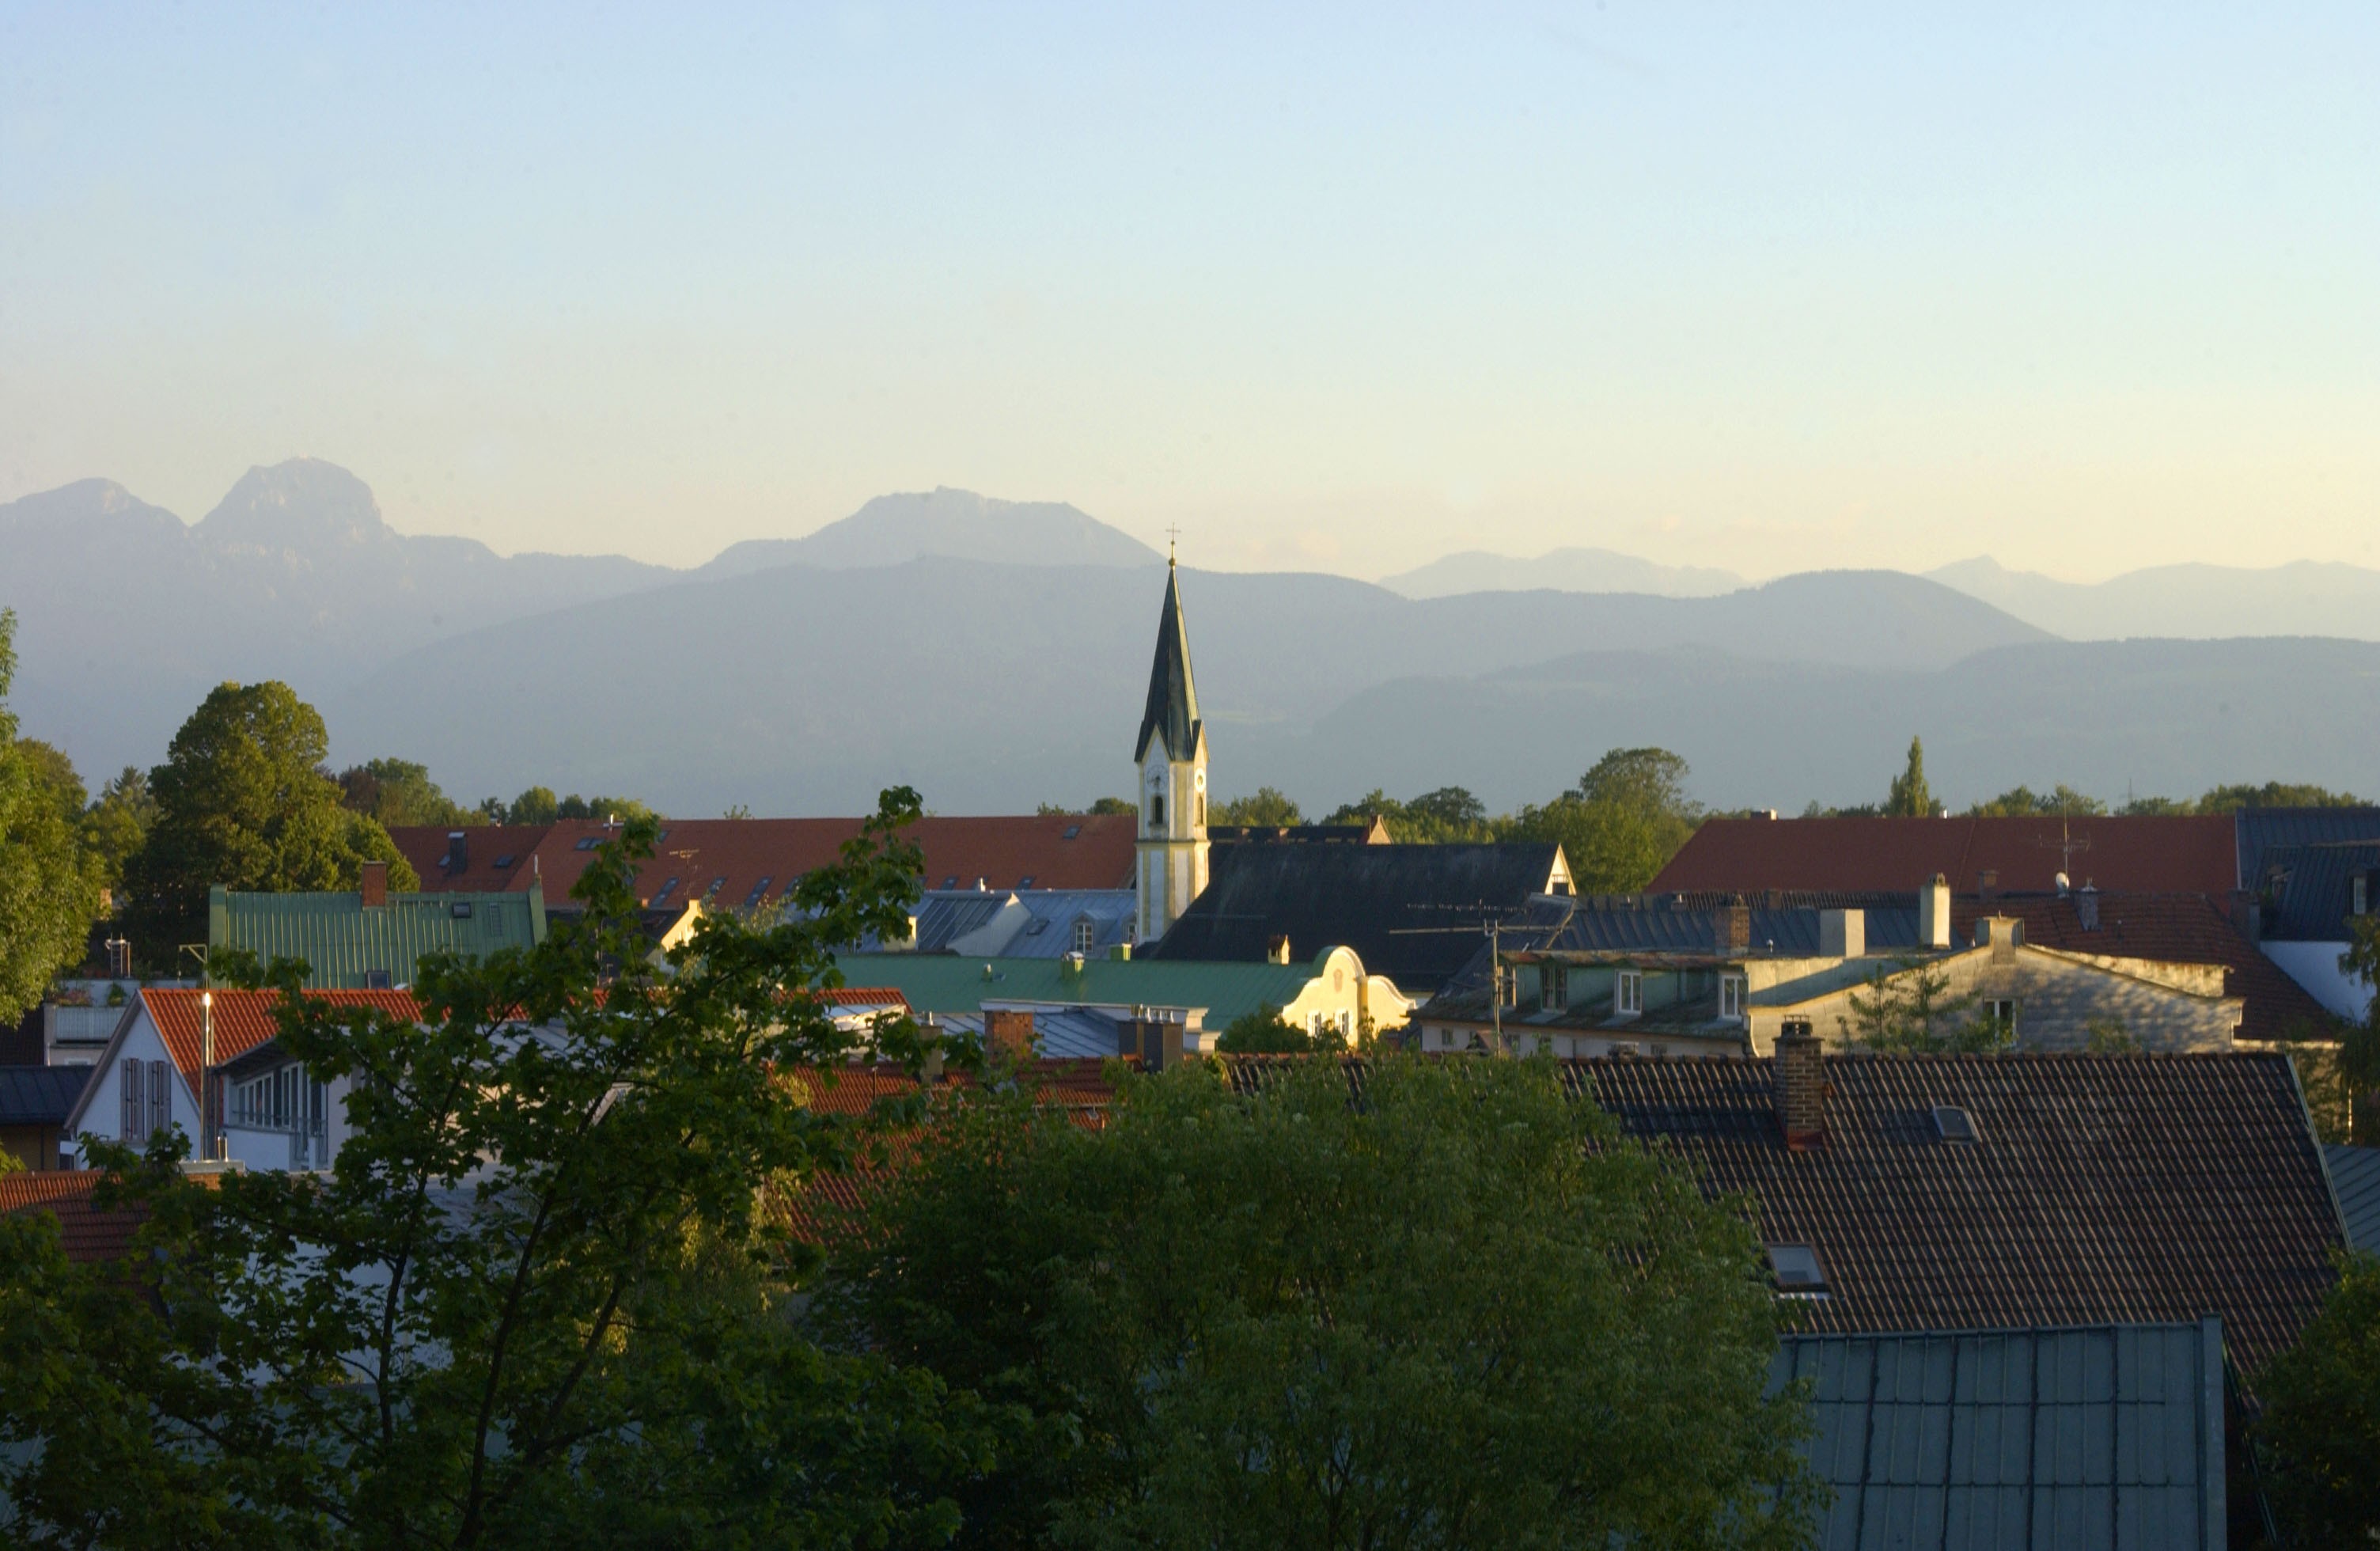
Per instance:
(1172,713)
(2104,1190)
(2311,888)
(2260,829)
(2355,1175)
(2103,1436)
(1412,913)
(2193,853)
(39,1094)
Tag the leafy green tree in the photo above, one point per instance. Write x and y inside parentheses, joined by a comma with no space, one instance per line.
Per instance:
(621,810)
(1263,1032)
(2156,807)
(1622,823)
(2320,1428)
(2023,802)
(1267,809)
(1099,807)
(393,791)
(536,1302)
(1463,1313)
(1910,796)
(242,801)
(1448,816)
(117,824)
(2275,793)
(536,806)
(1907,1010)
(49,882)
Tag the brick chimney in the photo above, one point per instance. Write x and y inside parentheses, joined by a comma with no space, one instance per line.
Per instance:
(1735,929)
(375,885)
(1008,1031)
(1800,1074)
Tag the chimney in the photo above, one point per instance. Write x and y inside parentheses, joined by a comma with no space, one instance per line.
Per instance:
(2086,906)
(1933,913)
(459,852)
(375,885)
(1277,950)
(2000,934)
(1843,934)
(1987,880)
(1008,1033)
(1149,1035)
(1800,1075)
(1735,929)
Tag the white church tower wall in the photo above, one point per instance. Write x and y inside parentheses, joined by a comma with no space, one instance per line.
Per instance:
(1171,754)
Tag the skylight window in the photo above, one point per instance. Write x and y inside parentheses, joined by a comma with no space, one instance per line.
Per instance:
(1954,1124)
(589,842)
(1074,831)
(1797,1270)
(505,860)
(758,890)
(952,881)
(1026,883)
(665,890)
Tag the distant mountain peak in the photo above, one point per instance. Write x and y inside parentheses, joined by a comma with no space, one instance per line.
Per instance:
(303,504)
(958,524)
(1563,570)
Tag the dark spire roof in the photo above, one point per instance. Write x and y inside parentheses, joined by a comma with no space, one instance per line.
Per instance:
(1173,712)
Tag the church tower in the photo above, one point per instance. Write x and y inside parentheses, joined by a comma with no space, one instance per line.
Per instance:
(1171,853)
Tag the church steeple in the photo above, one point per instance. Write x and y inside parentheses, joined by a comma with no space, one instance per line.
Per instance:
(1172,711)
(1170,868)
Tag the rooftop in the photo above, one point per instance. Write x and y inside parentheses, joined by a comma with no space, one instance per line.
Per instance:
(942,982)
(2193,853)
(39,1094)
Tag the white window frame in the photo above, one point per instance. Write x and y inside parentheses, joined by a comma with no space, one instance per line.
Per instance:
(2002,1010)
(1086,937)
(1731,999)
(1628,994)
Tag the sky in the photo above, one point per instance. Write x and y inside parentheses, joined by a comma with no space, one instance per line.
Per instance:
(2081,286)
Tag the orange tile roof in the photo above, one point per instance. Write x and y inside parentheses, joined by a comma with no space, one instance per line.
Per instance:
(763,856)
(86,1232)
(243,1020)
(2193,853)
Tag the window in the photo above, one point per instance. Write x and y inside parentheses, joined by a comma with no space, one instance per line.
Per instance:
(131,1078)
(1086,936)
(379,980)
(1036,926)
(505,860)
(1508,986)
(1026,883)
(2362,894)
(713,892)
(1156,810)
(460,909)
(161,1099)
(1954,1124)
(1797,1270)
(1552,983)
(589,842)
(2001,1013)
(1628,993)
(952,881)
(1202,807)
(1731,999)
(1074,831)
(665,890)
(758,890)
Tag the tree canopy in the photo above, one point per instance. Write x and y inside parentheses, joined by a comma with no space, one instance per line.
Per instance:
(242,801)
(1622,823)
(1464,1311)
(539,805)
(1910,796)
(393,791)
(1267,808)
(2321,1421)
(49,882)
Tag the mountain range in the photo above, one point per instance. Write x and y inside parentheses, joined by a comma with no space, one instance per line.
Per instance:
(994,655)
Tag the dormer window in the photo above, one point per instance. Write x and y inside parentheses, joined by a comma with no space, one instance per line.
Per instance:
(1086,936)
(1552,985)
(1628,993)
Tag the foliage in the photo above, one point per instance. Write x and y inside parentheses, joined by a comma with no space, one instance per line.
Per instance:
(1267,809)
(49,882)
(2274,793)
(534,1302)
(117,822)
(2023,802)
(1100,807)
(2362,961)
(1264,1032)
(2107,1035)
(2156,808)
(394,792)
(1622,823)
(1462,1312)
(1910,796)
(1907,1010)
(2320,1428)
(242,801)
(1450,816)
(539,805)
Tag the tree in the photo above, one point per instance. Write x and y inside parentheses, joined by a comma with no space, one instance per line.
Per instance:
(2275,793)
(1465,1312)
(394,792)
(2023,802)
(117,824)
(1267,809)
(242,802)
(1264,1032)
(1447,815)
(535,1302)
(1099,806)
(1910,796)
(2321,1421)
(1622,823)
(536,806)
(1907,1010)
(49,883)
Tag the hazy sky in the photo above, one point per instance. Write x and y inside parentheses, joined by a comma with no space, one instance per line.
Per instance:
(1769,287)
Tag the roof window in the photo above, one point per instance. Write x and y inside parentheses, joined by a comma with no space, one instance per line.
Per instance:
(1797,1270)
(1074,831)
(1026,883)
(952,881)
(1036,926)
(713,892)
(505,860)
(758,890)
(588,842)
(1954,1124)
(460,909)
(666,889)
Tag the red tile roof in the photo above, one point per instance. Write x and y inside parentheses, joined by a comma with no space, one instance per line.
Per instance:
(86,1232)
(243,1020)
(2193,854)
(1004,851)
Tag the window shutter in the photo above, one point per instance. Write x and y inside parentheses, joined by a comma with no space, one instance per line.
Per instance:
(161,1096)
(127,1084)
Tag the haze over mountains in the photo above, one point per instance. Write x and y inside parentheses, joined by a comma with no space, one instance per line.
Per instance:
(994,655)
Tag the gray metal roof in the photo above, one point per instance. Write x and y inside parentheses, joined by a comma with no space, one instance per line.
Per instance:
(2355,1175)
(39,1094)
(2263,830)
(2099,1435)
(2312,889)
(1059,1034)
(1040,921)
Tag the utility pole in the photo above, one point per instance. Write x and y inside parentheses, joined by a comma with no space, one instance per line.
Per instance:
(206,1072)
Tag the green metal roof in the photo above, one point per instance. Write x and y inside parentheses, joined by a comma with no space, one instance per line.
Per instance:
(947,983)
(345,944)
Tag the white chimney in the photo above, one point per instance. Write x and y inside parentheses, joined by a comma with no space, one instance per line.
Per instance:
(1933,913)
(1843,934)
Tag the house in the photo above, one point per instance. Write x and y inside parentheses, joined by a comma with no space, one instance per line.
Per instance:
(1415,914)
(2193,853)
(1619,977)
(372,938)
(2082,1436)
(2259,831)
(35,1104)
(147,1077)
(1019,923)
(2309,899)
(1331,992)
(86,1233)
(743,863)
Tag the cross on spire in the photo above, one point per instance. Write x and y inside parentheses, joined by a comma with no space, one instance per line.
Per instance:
(1172,535)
